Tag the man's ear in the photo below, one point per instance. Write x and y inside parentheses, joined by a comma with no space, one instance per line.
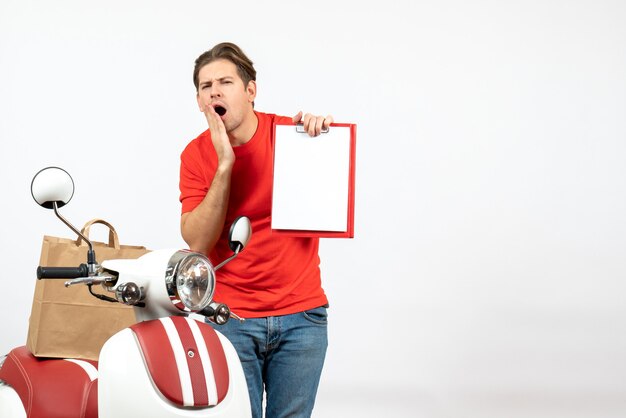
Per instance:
(251,91)
(199,102)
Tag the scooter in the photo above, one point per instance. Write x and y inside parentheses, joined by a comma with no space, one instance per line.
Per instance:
(165,365)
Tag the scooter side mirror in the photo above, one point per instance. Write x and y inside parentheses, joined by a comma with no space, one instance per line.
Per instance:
(238,237)
(52,188)
(50,185)
(240,232)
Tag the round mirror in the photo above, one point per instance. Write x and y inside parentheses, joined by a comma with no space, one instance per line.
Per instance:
(240,233)
(52,184)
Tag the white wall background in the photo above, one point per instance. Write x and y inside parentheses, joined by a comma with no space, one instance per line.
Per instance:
(487,276)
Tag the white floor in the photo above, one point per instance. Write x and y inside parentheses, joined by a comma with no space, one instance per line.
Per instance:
(337,403)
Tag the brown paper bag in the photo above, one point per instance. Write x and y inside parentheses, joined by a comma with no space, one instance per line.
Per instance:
(68,322)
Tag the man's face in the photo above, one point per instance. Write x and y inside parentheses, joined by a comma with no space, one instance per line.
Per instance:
(220,86)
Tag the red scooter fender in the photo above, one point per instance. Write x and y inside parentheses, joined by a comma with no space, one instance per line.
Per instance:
(171,367)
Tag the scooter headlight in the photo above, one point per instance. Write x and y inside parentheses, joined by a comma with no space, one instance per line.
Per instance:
(190,281)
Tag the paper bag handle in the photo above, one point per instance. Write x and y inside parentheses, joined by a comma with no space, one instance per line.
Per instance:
(114,241)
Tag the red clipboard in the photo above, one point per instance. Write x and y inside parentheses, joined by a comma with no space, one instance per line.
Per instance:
(313,181)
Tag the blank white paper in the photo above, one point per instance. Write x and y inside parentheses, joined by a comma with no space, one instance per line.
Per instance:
(311,180)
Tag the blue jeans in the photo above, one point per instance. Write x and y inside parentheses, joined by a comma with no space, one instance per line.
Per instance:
(284,353)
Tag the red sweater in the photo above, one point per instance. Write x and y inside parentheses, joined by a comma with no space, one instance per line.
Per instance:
(274,274)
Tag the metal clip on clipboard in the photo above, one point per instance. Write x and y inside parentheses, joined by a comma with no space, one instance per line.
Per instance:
(300,129)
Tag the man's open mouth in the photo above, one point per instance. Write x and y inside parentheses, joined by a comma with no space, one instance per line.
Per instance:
(220,110)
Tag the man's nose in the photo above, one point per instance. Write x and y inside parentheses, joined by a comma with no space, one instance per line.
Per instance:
(216,92)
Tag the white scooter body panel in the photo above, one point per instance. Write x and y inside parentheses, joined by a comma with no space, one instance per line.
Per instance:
(125,387)
(10,403)
(142,271)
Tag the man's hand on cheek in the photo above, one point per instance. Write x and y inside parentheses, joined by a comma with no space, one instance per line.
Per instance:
(221,143)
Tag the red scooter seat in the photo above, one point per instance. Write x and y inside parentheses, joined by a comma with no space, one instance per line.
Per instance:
(52,388)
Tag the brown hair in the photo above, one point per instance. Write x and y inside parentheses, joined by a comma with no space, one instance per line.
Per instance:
(230,52)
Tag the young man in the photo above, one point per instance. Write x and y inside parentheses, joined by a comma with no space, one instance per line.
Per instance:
(275,282)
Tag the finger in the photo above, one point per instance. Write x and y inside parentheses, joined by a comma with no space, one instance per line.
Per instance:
(319,123)
(210,115)
(327,121)
(215,122)
(298,117)
(312,125)
(307,122)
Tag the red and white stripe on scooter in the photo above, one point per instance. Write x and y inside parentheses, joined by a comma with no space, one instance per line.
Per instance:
(185,359)
(89,368)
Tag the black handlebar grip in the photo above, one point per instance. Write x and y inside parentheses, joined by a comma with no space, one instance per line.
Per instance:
(62,272)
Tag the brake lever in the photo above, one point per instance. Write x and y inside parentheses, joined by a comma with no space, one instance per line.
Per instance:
(91,280)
